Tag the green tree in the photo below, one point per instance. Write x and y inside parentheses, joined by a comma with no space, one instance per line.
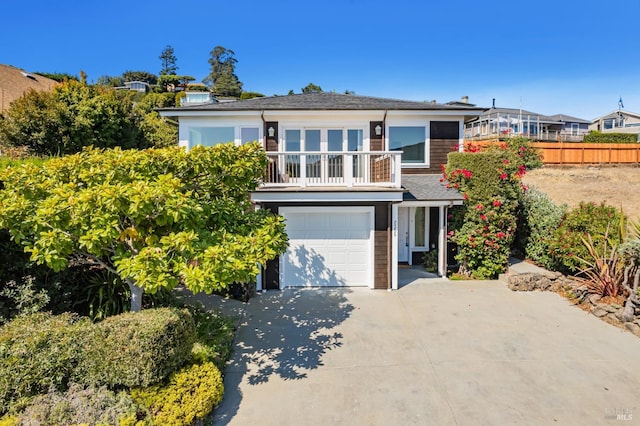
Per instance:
(145,76)
(251,95)
(72,116)
(156,131)
(156,218)
(311,88)
(222,79)
(168,60)
(110,81)
(172,81)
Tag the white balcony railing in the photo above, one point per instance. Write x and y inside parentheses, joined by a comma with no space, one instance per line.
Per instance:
(348,169)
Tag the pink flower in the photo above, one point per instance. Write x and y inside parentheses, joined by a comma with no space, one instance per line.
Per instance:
(506,161)
(479,207)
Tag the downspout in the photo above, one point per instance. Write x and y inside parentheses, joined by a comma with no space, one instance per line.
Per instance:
(264,126)
(389,242)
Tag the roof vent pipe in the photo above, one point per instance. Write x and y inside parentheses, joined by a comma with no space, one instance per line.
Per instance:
(493,105)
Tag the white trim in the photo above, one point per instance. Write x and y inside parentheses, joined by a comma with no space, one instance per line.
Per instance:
(445,203)
(370,210)
(394,246)
(442,241)
(324,196)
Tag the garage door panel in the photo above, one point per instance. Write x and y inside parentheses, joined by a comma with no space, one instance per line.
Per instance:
(327,248)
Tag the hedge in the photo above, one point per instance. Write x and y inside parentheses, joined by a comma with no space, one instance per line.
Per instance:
(137,348)
(190,394)
(39,352)
(599,137)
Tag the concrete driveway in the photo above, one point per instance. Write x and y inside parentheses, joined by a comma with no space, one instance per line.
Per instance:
(434,352)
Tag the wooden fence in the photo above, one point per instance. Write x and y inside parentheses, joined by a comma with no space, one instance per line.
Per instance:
(578,153)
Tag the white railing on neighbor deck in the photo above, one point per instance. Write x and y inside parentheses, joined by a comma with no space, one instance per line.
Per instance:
(336,168)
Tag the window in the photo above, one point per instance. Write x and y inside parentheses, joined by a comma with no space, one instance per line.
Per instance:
(249,134)
(292,140)
(210,136)
(574,129)
(410,140)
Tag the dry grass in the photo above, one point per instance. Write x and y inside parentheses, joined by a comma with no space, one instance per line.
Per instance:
(616,186)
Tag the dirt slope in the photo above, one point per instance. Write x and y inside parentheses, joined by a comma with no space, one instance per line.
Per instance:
(617,186)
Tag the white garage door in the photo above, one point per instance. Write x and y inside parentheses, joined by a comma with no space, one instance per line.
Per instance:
(328,246)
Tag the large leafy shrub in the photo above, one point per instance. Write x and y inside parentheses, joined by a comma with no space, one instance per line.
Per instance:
(189,395)
(490,182)
(137,349)
(39,352)
(566,245)
(538,218)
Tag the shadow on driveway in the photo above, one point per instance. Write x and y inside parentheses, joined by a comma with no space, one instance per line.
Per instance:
(286,343)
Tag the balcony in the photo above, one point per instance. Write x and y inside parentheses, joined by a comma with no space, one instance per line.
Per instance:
(342,169)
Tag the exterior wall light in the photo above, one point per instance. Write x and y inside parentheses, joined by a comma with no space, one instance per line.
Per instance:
(378,129)
(271,131)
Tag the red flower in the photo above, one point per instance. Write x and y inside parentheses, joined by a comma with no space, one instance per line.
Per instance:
(496,203)
(501,235)
(479,207)
(483,217)
(506,161)
(504,176)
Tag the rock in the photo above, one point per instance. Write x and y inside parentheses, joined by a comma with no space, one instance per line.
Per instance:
(594,298)
(528,282)
(599,312)
(633,327)
(609,308)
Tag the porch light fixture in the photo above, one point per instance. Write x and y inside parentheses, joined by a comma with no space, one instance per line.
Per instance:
(378,129)
(271,131)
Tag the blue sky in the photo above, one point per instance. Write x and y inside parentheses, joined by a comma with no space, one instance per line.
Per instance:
(571,57)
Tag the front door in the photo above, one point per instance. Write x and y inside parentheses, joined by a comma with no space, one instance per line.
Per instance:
(403,235)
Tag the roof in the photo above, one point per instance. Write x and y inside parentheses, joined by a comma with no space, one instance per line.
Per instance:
(616,113)
(15,82)
(324,101)
(428,188)
(568,119)
(556,118)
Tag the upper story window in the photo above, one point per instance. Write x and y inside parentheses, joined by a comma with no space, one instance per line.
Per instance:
(210,136)
(323,140)
(249,134)
(411,140)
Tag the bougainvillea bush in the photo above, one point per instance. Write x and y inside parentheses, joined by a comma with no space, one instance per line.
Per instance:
(490,179)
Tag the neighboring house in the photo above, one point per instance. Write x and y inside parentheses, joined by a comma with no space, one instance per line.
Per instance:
(619,121)
(500,122)
(197,98)
(358,179)
(15,82)
(136,86)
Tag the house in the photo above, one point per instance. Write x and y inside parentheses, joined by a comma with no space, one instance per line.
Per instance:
(197,98)
(358,179)
(500,122)
(619,121)
(15,82)
(135,86)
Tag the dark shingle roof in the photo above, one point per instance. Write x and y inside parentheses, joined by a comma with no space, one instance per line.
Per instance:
(428,188)
(321,101)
